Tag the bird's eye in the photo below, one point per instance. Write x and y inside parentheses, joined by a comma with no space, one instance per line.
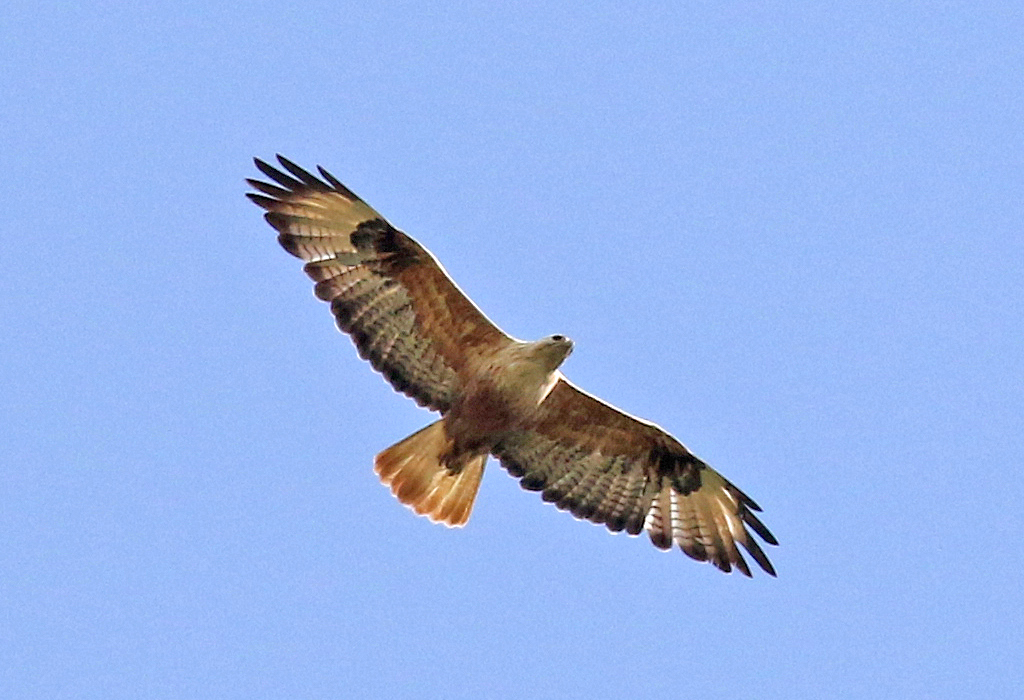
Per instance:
(558,338)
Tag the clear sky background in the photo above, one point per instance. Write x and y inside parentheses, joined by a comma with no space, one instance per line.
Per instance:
(790,233)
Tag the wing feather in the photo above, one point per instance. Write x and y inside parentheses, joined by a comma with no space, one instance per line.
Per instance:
(402,310)
(608,467)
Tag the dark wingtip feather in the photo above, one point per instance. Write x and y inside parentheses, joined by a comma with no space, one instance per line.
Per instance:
(306,177)
(277,176)
(762,560)
(266,168)
(336,183)
(759,556)
(757,526)
(297,180)
(744,498)
(261,201)
(267,188)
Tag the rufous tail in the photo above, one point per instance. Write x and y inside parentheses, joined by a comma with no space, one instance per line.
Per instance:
(418,478)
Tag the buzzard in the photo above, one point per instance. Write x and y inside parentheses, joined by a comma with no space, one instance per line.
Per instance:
(496,395)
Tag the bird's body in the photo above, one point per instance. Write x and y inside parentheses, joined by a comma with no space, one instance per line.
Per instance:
(509,388)
(496,395)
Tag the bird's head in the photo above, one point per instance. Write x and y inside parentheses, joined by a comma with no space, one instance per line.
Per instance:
(553,350)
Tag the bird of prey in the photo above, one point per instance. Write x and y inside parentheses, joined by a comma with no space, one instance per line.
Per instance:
(496,395)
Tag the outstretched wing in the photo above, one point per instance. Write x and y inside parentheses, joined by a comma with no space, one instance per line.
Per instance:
(608,467)
(404,313)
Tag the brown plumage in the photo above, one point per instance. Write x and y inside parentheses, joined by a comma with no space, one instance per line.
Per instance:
(496,395)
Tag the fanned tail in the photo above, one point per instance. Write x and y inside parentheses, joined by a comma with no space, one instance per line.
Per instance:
(417,476)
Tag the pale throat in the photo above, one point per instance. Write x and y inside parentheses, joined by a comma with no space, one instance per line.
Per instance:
(529,377)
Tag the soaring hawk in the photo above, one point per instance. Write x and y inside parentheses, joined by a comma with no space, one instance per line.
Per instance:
(496,395)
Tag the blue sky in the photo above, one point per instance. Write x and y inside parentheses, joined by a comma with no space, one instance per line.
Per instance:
(788,233)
